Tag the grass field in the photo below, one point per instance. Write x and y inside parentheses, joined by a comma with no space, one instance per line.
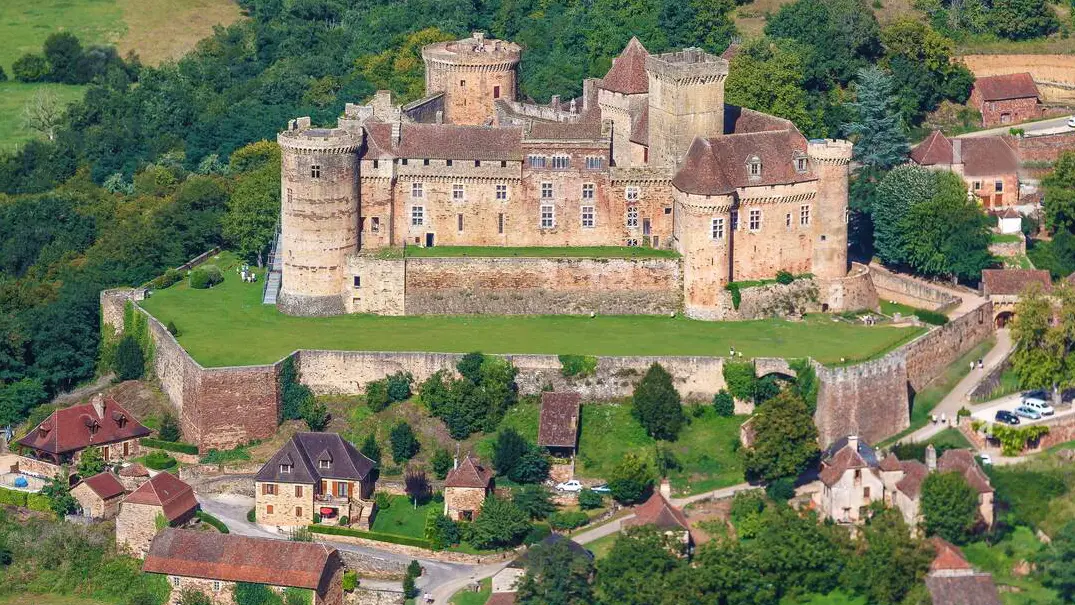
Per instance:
(1000,559)
(47,599)
(538,251)
(13,98)
(228,325)
(469,597)
(402,519)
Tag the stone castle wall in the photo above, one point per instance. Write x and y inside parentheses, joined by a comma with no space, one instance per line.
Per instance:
(929,355)
(907,291)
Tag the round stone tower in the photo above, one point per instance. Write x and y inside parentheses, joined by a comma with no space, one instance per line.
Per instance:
(472,73)
(318,216)
(831,159)
(704,239)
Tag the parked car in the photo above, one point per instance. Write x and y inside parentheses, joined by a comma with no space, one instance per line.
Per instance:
(1028,412)
(569,486)
(602,489)
(985,459)
(1042,407)
(1071,122)
(1038,395)
(1006,417)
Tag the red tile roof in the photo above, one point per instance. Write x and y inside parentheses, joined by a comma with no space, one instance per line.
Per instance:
(565,131)
(947,556)
(501,598)
(988,156)
(962,461)
(660,513)
(234,558)
(559,424)
(1006,86)
(470,473)
(1013,281)
(105,485)
(640,126)
(133,470)
(444,142)
(628,73)
(80,426)
(914,473)
(168,492)
(936,149)
(967,589)
(890,463)
(718,165)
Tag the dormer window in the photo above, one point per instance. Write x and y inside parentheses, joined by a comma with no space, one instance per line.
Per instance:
(800,164)
(754,166)
(324,463)
(285,468)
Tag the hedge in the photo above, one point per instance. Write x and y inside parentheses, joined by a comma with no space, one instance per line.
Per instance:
(211,520)
(25,500)
(169,446)
(931,317)
(372,535)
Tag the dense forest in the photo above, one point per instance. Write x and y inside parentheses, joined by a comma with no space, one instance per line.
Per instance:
(144,172)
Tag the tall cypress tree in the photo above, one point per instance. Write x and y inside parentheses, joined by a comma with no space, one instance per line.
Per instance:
(881,141)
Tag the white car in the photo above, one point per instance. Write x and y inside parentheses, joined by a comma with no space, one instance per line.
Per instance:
(986,459)
(1038,401)
(1071,122)
(569,486)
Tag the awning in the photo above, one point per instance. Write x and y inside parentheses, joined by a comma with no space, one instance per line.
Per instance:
(327,511)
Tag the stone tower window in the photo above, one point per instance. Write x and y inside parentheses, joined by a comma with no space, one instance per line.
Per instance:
(425,162)
(787,220)
(804,214)
(594,163)
(418,216)
(457,191)
(717,228)
(587,191)
(496,92)
(632,217)
(500,223)
(375,224)
(632,194)
(561,162)
(754,166)
(546,191)
(447,162)
(537,161)
(315,171)
(416,190)
(462,83)
(289,195)
(735,220)
(800,164)
(357,281)
(477,163)
(376,163)
(459,222)
(548,216)
(755,219)
(501,192)
(587,216)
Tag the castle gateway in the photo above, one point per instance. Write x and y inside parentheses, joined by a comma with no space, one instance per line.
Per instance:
(650,155)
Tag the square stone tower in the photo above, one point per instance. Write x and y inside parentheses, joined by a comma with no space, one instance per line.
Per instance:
(686,100)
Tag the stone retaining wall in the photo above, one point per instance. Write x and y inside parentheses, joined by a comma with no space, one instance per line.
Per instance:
(908,291)
(369,565)
(415,552)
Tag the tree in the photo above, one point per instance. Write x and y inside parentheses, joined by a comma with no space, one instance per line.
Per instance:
(91,462)
(1057,563)
(18,398)
(768,76)
(713,27)
(440,530)
(470,366)
(532,467)
(556,575)
(58,492)
(656,404)
(1059,190)
(888,563)
(635,570)
(806,383)
(724,404)
(785,439)
(441,462)
(30,68)
(949,507)
(508,449)
(1043,354)
(169,430)
(500,524)
(43,114)
(404,443)
(740,378)
(631,479)
(534,500)
(880,141)
(63,52)
(948,235)
(589,499)
(1023,19)
(130,362)
(250,221)
(417,485)
(371,450)
(401,69)
(315,414)
(843,36)
(900,189)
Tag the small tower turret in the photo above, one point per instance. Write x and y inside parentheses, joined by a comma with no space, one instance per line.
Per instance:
(472,73)
(830,159)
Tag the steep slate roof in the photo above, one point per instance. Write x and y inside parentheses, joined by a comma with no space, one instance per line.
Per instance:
(988,156)
(559,424)
(165,490)
(105,485)
(839,458)
(962,461)
(1006,86)
(79,426)
(718,165)
(936,149)
(444,142)
(470,473)
(658,512)
(235,558)
(628,73)
(914,473)
(1013,281)
(304,450)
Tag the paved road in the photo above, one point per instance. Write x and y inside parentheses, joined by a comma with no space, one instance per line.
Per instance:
(987,411)
(440,578)
(1050,126)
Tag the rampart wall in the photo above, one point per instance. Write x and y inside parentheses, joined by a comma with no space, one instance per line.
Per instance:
(908,291)
(1054,74)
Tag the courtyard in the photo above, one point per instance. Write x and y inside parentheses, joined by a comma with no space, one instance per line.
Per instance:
(228,325)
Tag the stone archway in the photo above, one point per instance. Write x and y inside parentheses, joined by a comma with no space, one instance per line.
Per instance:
(1003,319)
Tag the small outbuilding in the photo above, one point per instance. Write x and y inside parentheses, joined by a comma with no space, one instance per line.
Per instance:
(558,429)
(465,489)
(164,496)
(99,496)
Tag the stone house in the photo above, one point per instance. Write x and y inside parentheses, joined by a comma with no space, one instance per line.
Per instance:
(1005,287)
(465,489)
(1006,99)
(315,473)
(1010,221)
(851,480)
(213,563)
(61,438)
(558,426)
(99,496)
(660,513)
(953,581)
(988,165)
(163,499)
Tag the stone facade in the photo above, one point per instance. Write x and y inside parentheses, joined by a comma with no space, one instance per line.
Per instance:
(908,291)
(1007,111)
(93,505)
(463,503)
(284,504)
(136,525)
(219,592)
(1043,148)
(472,73)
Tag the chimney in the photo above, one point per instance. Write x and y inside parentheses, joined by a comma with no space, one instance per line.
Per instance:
(440,117)
(931,458)
(957,151)
(98,402)
(853,443)
(479,38)
(555,101)
(666,489)
(397,133)
(574,106)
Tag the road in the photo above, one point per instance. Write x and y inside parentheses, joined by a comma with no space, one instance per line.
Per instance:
(1050,126)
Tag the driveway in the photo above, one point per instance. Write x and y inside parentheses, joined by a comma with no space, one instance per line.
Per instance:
(1050,126)
(441,579)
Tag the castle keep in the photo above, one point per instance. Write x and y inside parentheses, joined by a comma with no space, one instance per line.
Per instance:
(650,155)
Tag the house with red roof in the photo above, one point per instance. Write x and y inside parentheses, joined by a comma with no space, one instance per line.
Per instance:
(61,438)
(1005,287)
(989,166)
(1006,99)
(465,489)
(214,563)
(558,424)
(99,496)
(163,500)
(659,512)
(953,581)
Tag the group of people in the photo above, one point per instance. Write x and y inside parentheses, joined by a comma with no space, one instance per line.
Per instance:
(247,275)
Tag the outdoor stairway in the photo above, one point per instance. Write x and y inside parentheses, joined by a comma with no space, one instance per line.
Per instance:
(273,276)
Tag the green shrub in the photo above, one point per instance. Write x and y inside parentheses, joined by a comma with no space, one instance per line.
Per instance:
(724,403)
(169,429)
(414,569)
(211,520)
(737,297)
(383,500)
(238,454)
(12,497)
(578,366)
(739,376)
(781,490)
(170,277)
(399,386)
(350,580)
(252,515)
(441,462)
(159,461)
(409,589)
(345,520)
(371,535)
(174,331)
(568,520)
(377,394)
(169,446)
(589,499)
(130,362)
(931,317)
(205,276)
(784,277)
(537,533)
(38,502)
(30,67)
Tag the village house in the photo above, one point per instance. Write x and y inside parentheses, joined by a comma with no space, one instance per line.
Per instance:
(1005,99)
(953,581)
(988,165)
(61,438)
(660,513)
(852,477)
(99,496)
(213,563)
(558,426)
(465,489)
(315,474)
(1004,288)
(163,499)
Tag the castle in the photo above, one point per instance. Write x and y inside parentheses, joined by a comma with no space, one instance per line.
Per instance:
(649,155)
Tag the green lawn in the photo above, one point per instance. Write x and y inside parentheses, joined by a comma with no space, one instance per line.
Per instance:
(1006,238)
(47,599)
(469,597)
(13,98)
(228,325)
(539,251)
(705,449)
(950,438)
(601,546)
(402,519)
(24,25)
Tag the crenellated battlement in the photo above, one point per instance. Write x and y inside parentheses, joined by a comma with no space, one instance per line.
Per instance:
(830,151)
(688,66)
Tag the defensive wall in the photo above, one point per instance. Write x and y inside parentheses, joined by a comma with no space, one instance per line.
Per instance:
(908,291)
(1054,74)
